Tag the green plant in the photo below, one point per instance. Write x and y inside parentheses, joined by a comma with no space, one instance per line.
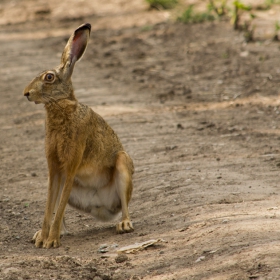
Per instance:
(219,7)
(162,4)
(190,16)
(248,31)
(240,7)
(266,5)
(146,28)
(276,30)
(277,26)
(271,2)
(225,55)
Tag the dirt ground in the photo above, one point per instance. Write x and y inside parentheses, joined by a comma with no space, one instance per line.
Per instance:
(197,109)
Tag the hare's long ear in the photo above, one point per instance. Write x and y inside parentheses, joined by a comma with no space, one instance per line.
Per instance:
(75,49)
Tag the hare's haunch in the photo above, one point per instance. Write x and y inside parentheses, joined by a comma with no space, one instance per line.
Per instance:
(88,167)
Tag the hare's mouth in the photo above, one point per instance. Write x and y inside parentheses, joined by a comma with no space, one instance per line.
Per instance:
(30,99)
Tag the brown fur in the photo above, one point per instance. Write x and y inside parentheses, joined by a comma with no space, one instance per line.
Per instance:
(88,167)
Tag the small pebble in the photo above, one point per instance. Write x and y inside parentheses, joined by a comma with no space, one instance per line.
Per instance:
(121,258)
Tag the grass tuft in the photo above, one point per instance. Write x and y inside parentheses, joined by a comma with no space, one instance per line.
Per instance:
(162,4)
(190,16)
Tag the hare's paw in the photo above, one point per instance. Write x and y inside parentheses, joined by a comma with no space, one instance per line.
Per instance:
(38,239)
(124,226)
(52,242)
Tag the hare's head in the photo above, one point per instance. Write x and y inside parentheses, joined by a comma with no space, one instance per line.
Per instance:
(55,84)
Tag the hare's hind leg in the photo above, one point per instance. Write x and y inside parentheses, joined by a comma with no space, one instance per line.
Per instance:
(123,180)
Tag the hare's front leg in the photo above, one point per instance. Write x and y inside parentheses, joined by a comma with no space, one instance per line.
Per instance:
(123,179)
(54,232)
(41,236)
(64,230)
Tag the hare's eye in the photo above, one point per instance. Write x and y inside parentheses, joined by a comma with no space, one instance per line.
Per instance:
(49,77)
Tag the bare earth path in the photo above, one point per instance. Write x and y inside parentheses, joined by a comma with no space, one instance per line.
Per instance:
(197,109)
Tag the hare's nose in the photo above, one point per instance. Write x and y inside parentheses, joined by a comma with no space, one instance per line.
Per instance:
(26,94)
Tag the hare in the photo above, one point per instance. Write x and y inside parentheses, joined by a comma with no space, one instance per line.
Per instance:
(88,167)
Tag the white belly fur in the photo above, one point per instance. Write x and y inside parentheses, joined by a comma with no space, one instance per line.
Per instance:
(95,194)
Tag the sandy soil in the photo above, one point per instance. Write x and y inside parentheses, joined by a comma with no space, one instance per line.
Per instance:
(196,108)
